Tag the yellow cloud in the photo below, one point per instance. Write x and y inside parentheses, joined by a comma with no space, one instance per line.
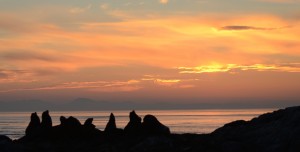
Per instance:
(292,67)
(163,1)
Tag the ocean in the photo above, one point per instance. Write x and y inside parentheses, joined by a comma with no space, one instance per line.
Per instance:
(13,124)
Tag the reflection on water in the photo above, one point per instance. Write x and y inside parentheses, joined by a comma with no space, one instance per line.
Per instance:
(14,124)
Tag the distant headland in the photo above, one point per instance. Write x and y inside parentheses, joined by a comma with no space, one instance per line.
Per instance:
(278,131)
(87,104)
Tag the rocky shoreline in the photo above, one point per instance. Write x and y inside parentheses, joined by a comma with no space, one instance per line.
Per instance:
(278,131)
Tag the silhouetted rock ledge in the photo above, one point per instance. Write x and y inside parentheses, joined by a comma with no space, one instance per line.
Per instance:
(278,131)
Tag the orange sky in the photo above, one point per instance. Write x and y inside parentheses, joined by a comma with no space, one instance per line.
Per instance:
(168,50)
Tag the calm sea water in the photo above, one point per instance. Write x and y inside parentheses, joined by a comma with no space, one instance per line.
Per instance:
(13,124)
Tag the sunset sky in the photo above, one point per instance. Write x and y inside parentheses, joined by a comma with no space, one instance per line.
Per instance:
(177,51)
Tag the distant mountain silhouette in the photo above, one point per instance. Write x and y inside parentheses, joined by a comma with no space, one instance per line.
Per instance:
(86,104)
(26,105)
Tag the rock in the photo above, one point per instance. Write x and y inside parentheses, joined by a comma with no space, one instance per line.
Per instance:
(111,125)
(7,145)
(89,123)
(62,120)
(134,125)
(34,124)
(271,132)
(154,144)
(231,128)
(152,126)
(46,120)
(4,139)
(72,122)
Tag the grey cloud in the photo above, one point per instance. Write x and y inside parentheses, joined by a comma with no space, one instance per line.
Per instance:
(240,27)
(49,71)
(27,55)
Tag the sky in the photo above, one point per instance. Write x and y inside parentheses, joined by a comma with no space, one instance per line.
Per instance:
(170,51)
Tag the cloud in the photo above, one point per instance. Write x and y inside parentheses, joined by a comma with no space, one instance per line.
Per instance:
(163,1)
(38,75)
(78,10)
(289,67)
(25,55)
(12,76)
(174,82)
(160,40)
(11,23)
(104,6)
(216,68)
(239,28)
(103,86)
(163,82)
(280,1)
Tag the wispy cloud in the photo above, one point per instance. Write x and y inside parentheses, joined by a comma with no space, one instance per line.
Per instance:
(289,67)
(78,10)
(103,86)
(175,82)
(12,76)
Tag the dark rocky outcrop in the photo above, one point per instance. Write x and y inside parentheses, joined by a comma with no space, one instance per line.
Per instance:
(152,126)
(72,129)
(34,124)
(134,125)
(4,139)
(111,125)
(46,120)
(111,128)
(273,132)
(62,120)
(6,144)
(89,123)
(70,122)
